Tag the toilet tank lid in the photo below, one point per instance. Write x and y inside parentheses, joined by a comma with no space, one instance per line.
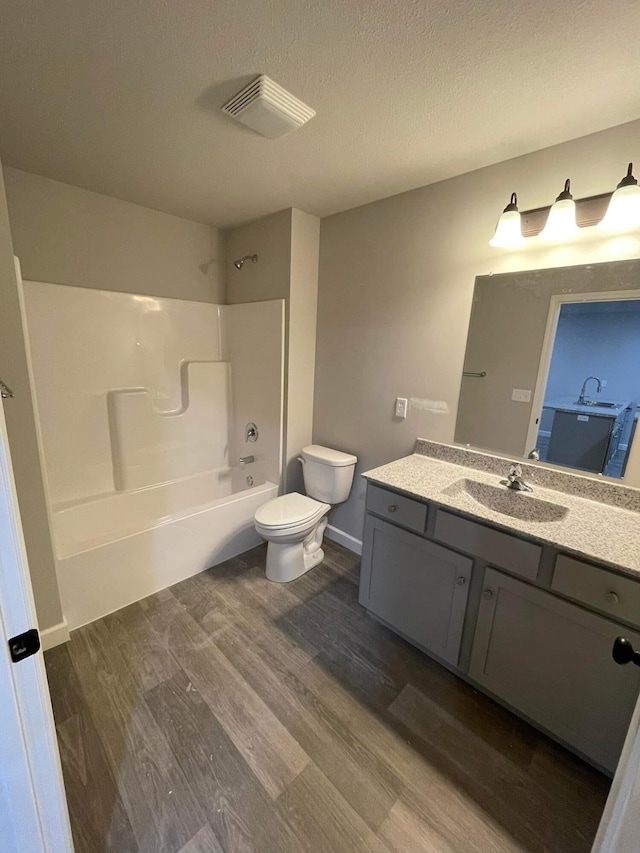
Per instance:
(335,458)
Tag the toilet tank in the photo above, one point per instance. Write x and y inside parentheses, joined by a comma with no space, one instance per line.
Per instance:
(328,474)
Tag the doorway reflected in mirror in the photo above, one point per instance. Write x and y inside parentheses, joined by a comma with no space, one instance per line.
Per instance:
(589,414)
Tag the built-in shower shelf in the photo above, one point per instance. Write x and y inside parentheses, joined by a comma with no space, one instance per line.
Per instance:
(152,446)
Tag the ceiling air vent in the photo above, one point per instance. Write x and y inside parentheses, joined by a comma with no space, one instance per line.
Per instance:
(268,108)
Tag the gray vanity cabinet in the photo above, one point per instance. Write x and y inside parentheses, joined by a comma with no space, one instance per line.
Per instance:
(551,660)
(415,586)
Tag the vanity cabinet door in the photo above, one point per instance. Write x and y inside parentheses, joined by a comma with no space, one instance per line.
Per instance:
(552,661)
(415,586)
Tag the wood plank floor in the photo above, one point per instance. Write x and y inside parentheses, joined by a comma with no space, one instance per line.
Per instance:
(232,714)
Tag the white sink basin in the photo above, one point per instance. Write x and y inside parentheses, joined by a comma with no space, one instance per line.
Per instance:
(521,505)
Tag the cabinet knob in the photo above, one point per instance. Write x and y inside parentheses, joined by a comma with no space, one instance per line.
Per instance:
(488,594)
(612,597)
(461,581)
(392,508)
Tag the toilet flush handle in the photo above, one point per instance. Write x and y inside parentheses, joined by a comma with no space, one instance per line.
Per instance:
(300,459)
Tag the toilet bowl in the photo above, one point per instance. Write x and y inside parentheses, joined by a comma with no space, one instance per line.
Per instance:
(294,524)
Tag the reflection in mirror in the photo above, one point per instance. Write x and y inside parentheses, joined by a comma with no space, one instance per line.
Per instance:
(553,364)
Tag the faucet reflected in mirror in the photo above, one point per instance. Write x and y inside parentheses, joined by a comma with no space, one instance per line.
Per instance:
(581,398)
(581,321)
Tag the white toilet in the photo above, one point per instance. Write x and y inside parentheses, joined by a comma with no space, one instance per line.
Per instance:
(294,524)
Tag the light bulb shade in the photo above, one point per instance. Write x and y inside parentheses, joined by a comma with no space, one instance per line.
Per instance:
(623,213)
(508,231)
(561,222)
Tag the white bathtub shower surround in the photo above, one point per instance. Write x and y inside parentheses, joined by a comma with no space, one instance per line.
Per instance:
(82,525)
(122,569)
(84,343)
(142,405)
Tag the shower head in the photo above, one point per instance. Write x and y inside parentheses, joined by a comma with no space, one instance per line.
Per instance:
(241,261)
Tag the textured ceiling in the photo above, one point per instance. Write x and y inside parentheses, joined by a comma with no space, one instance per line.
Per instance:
(123,97)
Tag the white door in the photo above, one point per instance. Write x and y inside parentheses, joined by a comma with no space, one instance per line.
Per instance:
(33,808)
(619,830)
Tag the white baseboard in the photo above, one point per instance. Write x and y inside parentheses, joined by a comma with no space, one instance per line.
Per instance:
(54,636)
(345,539)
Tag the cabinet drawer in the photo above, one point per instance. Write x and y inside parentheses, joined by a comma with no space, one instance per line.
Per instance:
(613,594)
(398,509)
(500,549)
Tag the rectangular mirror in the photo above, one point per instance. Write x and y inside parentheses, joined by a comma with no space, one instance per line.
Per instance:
(553,364)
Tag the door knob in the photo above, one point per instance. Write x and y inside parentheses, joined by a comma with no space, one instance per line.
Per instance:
(5,391)
(612,597)
(392,508)
(488,594)
(623,652)
(461,581)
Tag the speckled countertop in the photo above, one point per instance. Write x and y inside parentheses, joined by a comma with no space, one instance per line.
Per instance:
(606,532)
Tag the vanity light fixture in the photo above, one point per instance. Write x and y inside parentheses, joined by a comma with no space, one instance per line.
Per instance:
(623,212)
(561,223)
(508,230)
(612,212)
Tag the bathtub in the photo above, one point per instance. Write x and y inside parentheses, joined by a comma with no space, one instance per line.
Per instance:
(117,548)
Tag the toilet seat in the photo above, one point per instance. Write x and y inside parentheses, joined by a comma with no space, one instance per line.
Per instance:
(291,512)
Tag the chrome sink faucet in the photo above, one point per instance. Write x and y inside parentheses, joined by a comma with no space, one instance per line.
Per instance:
(515,480)
(581,398)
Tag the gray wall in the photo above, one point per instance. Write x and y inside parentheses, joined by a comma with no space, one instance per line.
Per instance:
(23,441)
(66,235)
(287,244)
(305,249)
(395,292)
(270,239)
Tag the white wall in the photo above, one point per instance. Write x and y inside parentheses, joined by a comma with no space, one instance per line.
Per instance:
(67,235)
(395,289)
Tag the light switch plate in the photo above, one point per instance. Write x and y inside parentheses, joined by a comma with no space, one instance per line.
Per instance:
(401,407)
(520,395)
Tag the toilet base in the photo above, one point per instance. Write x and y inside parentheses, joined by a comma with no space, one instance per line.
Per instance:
(287,561)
